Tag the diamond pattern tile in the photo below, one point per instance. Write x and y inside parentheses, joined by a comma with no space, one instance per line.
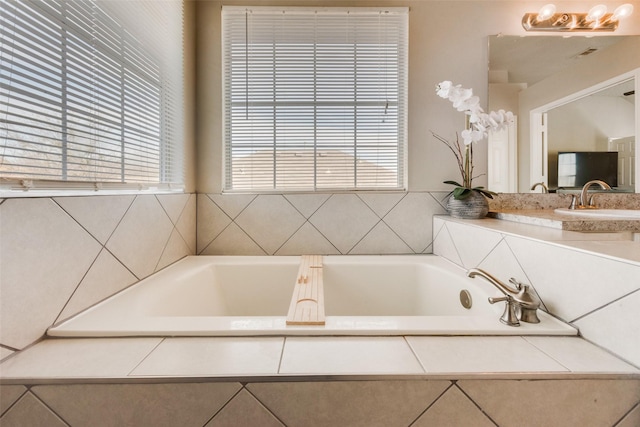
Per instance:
(472,243)
(233,241)
(186,224)
(232,204)
(9,394)
(244,410)
(381,240)
(344,220)
(453,408)
(307,204)
(444,246)
(29,411)
(307,240)
(211,222)
(173,204)
(381,203)
(270,220)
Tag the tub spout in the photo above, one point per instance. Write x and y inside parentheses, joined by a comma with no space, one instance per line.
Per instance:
(521,303)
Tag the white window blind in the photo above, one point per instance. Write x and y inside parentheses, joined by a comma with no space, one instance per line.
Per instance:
(314,98)
(91,91)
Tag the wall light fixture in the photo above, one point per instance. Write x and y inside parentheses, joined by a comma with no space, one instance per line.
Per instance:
(597,19)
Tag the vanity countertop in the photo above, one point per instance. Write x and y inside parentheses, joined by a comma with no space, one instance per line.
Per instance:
(549,218)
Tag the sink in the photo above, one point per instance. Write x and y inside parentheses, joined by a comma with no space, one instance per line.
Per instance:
(602,213)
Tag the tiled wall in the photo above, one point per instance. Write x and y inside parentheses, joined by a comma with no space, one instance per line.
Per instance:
(599,295)
(61,255)
(326,224)
(385,403)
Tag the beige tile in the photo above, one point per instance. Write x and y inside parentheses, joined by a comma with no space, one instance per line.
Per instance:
(348,403)
(472,243)
(232,204)
(632,419)
(443,246)
(232,241)
(579,355)
(9,394)
(244,411)
(99,215)
(270,220)
(453,408)
(344,220)
(481,354)
(411,219)
(29,411)
(381,240)
(381,203)
(211,221)
(141,236)
(307,240)
(120,405)
(553,403)
(5,352)
(348,355)
(79,358)
(616,327)
(106,277)
(176,249)
(173,204)
(213,356)
(307,204)
(45,254)
(186,224)
(586,286)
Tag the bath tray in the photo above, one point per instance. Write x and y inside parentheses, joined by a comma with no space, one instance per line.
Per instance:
(307,301)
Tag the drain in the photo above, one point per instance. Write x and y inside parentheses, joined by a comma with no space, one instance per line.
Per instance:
(465,299)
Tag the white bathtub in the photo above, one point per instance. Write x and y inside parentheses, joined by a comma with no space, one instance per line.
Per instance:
(250,296)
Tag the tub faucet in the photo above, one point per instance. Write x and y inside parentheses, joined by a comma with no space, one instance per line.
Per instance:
(545,189)
(521,303)
(584,193)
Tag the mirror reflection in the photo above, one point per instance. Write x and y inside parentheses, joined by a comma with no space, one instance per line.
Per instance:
(524,73)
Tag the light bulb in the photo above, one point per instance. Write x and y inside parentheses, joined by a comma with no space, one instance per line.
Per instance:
(546,12)
(622,11)
(596,12)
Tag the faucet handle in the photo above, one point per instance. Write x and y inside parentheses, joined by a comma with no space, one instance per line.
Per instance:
(573,202)
(509,317)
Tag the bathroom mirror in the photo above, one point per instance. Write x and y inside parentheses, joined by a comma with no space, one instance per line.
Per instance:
(570,94)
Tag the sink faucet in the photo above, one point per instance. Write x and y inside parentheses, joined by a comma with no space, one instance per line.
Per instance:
(585,189)
(521,303)
(545,189)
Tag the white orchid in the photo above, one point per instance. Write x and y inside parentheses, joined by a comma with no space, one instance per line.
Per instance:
(480,124)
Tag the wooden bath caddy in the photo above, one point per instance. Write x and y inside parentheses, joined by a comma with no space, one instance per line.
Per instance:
(307,302)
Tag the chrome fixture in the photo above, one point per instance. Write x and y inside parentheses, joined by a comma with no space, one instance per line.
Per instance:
(585,189)
(545,189)
(597,19)
(521,302)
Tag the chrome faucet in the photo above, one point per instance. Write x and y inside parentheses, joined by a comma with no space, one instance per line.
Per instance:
(545,189)
(584,193)
(521,303)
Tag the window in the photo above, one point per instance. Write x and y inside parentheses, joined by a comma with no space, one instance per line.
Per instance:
(314,99)
(91,92)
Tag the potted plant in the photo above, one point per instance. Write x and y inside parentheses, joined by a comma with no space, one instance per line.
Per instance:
(467,201)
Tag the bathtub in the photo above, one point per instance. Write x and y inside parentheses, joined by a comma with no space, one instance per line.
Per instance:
(251,295)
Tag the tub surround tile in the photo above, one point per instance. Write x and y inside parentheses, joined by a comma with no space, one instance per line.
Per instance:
(270,220)
(118,405)
(481,354)
(99,215)
(554,403)
(381,239)
(615,327)
(473,244)
(381,203)
(9,394)
(106,277)
(307,240)
(79,358)
(348,355)
(233,241)
(173,204)
(176,249)
(564,294)
(453,408)
(232,204)
(444,246)
(348,403)
(628,250)
(45,254)
(213,356)
(5,352)
(186,224)
(211,222)
(244,410)
(344,220)
(307,204)
(632,419)
(411,219)
(141,236)
(578,355)
(29,411)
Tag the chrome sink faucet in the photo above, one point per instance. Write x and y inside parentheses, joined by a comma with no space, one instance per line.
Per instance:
(521,303)
(584,204)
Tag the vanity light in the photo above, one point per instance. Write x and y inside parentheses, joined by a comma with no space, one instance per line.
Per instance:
(597,19)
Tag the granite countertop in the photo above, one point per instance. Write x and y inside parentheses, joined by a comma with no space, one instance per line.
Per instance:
(548,218)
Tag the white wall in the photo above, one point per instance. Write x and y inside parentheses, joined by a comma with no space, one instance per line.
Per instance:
(448,41)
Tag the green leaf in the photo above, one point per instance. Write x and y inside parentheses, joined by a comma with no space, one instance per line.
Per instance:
(461,193)
(453,183)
